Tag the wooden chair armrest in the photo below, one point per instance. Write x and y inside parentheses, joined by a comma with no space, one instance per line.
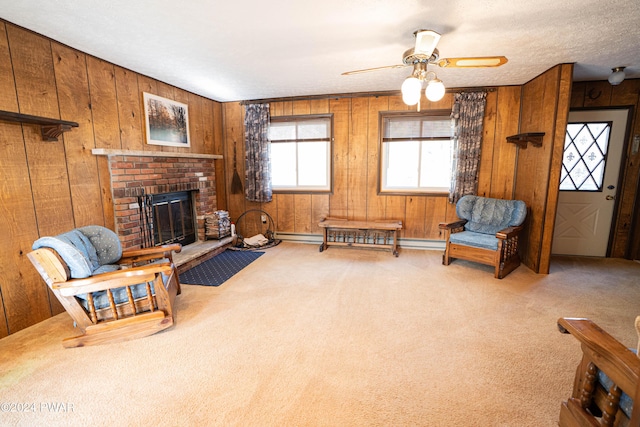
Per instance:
(508,232)
(145,254)
(111,280)
(452,225)
(620,364)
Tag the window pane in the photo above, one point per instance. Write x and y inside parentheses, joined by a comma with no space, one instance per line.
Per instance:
(283,164)
(416,127)
(316,129)
(282,131)
(435,128)
(301,153)
(407,128)
(416,154)
(585,150)
(402,164)
(601,133)
(312,164)
(435,165)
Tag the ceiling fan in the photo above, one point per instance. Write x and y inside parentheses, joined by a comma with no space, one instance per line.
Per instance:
(425,53)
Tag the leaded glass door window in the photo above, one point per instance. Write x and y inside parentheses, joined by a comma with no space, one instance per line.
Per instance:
(585,155)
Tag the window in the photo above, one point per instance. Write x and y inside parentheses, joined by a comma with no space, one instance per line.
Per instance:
(301,153)
(416,152)
(585,154)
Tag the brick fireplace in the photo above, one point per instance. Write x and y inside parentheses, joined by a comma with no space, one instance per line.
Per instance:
(135,174)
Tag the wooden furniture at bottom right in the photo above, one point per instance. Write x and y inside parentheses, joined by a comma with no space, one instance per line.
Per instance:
(606,382)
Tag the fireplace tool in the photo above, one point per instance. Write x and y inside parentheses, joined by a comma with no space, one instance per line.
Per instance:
(146,222)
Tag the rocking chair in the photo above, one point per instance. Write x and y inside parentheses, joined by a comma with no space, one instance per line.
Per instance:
(111,295)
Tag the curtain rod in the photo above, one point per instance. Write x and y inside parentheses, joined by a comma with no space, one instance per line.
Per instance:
(355,95)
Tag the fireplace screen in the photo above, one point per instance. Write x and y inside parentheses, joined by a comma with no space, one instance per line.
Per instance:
(173,218)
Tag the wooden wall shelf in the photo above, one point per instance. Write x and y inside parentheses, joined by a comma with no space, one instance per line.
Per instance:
(521,139)
(51,128)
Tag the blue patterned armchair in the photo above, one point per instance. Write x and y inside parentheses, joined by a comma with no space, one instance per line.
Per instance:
(110,294)
(487,233)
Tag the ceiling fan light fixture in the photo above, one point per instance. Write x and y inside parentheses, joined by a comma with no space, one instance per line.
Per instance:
(426,42)
(411,90)
(435,90)
(617,76)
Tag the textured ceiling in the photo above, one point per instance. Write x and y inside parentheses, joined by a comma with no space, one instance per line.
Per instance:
(255,49)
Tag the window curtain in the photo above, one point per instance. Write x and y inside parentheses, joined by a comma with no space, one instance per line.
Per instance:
(257,176)
(468,113)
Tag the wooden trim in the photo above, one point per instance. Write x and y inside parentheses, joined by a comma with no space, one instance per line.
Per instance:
(114,152)
(354,95)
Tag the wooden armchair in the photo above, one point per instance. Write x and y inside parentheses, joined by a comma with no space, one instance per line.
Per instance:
(606,383)
(487,233)
(111,295)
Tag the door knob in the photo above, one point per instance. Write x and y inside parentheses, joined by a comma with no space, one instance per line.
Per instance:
(610,197)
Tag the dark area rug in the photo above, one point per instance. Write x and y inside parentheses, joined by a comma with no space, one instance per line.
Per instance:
(219,269)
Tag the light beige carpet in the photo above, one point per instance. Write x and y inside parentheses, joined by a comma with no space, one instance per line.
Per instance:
(346,337)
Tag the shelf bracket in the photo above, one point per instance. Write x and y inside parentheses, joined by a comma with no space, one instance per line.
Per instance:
(521,139)
(52,132)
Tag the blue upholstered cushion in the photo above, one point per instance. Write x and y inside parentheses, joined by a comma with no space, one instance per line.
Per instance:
(86,251)
(76,251)
(106,269)
(106,243)
(626,404)
(100,298)
(479,240)
(488,216)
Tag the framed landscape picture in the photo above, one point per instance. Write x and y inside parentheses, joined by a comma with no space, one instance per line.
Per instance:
(167,121)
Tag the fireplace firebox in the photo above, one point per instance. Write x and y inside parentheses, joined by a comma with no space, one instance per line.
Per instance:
(173,218)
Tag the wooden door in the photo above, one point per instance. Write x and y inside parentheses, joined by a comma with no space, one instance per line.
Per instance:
(594,142)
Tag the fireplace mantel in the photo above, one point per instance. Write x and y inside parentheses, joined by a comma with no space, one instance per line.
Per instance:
(114,152)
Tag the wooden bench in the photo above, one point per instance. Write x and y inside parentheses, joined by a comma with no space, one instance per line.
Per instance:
(364,234)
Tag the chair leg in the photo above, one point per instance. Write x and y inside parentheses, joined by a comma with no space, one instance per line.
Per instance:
(445,259)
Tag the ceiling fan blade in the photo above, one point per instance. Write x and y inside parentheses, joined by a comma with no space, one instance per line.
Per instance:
(366,70)
(478,62)
(426,42)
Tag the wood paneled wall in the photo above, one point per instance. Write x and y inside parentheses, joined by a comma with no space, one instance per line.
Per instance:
(355,165)
(545,108)
(600,94)
(51,187)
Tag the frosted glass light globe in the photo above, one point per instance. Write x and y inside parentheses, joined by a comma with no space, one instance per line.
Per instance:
(411,89)
(617,76)
(435,90)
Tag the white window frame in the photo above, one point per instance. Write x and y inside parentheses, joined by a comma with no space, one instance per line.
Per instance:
(326,118)
(385,139)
